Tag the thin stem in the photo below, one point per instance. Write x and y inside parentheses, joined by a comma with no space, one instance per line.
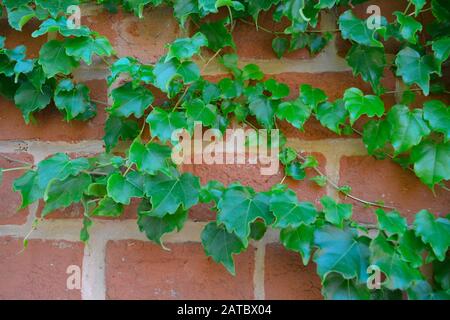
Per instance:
(15,160)
(201,71)
(335,186)
(16,169)
(100,102)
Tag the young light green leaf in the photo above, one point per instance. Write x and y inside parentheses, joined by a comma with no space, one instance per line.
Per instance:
(391,222)
(121,189)
(358,104)
(149,158)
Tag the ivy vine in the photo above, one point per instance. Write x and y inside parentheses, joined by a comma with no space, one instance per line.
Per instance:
(342,249)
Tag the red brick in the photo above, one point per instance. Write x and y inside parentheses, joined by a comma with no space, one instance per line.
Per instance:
(257,44)
(384,180)
(11,201)
(50,124)
(143,38)
(39,271)
(141,270)
(286,278)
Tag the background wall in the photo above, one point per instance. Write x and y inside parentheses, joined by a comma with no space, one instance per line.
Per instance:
(119,262)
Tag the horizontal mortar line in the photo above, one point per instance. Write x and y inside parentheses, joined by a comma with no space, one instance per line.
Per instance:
(333,147)
(69,230)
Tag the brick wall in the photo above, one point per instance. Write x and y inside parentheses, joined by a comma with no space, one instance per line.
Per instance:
(119,262)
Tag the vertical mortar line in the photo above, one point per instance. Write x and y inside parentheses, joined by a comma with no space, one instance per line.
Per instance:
(94,262)
(332,168)
(258,273)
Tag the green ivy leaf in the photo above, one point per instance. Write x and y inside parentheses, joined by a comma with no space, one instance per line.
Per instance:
(411,249)
(355,29)
(441,271)
(341,251)
(414,68)
(295,112)
(264,110)
(368,62)
(422,290)
(391,222)
(163,123)
(54,60)
(149,158)
(129,100)
(107,207)
(221,245)
(336,213)
(280,46)
(29,99)
(433,231)
(62,193)
(359,104)
(29,188)
(239,207)
(438,116)
(19,16)
(55,7)
(169,193)
(431,162)
(418,4)
(277,90)
(155,227)
(62,26)
(441,49)
(408,27)
(299,239)
(407,127)
(337,287)
(312,97)
(197,110)
(217,35)
(332,115)
(72,99)
(375,135)
(289,212)
(185,48)
(399,274)
(119,128)
(83,48)
(166,71)
(295,170)
(121,189)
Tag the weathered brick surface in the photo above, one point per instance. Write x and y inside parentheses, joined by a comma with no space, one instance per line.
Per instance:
(144,38)
(252,43)
(39,272)
(50,125)
(384,180)
(286,278)
(141,270)
(11,201)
